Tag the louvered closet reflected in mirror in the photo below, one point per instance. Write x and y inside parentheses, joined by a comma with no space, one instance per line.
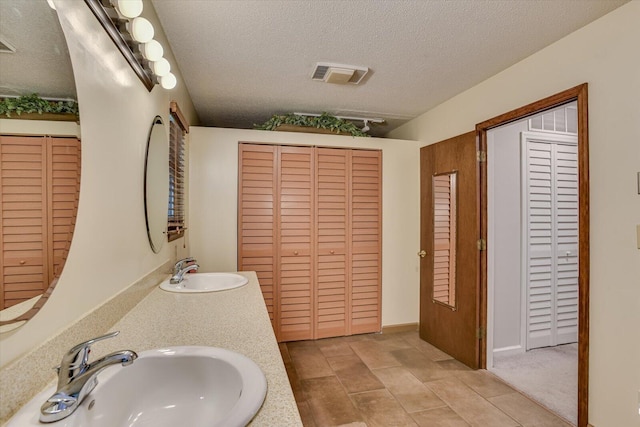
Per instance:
(444,239)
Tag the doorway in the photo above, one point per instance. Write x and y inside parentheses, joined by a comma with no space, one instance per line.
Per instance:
(533,235)
(579,95)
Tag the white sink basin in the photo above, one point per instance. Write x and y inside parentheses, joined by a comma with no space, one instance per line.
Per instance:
(176,386)
(206,282)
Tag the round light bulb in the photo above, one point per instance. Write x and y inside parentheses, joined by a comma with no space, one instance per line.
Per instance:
(169,81)
(161,67)
(141,30)
(129,8)
(152,50)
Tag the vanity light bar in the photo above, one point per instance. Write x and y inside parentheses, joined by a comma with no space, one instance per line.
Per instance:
(133,35)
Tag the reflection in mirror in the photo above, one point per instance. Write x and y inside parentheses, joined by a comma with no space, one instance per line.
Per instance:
(156,184)
(37,221)
(444,239)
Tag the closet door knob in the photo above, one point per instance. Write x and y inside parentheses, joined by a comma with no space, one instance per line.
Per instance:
(332,252)
(295,252)
(22,262)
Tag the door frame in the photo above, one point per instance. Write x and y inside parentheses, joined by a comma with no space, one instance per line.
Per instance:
(579,94)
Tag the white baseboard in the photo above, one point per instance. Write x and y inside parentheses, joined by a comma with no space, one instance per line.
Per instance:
(508,351)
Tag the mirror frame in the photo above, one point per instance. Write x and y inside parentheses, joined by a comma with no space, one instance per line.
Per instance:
(156,184)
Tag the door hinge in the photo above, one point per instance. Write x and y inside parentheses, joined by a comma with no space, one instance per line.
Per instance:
(481,156)
(481,333)
(482,245)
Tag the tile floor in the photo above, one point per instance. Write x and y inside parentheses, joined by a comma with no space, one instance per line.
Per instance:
(399,380)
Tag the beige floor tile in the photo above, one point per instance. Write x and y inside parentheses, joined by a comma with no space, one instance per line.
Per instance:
(478,412)
(380,409)
(354,374)
(527,412)
(412,394)
(333,347)
(284,351)
(305,415)
(429,350)
(296,386)
(329,403)
(420,365)
(390,342)
(373,354)
(484,383)
(439,417)
(309,362)
(449,389)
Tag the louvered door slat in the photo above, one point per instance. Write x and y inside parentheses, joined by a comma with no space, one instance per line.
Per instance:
(366,244)
(257,231)
(332,281)
(296,243)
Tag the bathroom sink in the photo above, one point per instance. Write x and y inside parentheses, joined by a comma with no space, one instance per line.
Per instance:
(175,386)
(206,282)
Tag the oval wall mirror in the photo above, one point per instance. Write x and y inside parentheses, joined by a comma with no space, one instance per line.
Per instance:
(39,64)
(156,184)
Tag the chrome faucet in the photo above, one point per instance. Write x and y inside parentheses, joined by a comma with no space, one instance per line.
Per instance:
(77,378)
(177,278)
(181,263)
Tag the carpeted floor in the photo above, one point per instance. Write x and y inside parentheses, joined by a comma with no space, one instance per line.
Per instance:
(548,375)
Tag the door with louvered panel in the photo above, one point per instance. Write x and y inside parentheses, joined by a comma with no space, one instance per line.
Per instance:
(333,282)
(310,226)
(551,238)
(296,243)
(365,299)
(257,230)
(40,184)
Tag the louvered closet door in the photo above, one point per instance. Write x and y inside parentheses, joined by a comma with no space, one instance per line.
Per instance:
(64,176)
(333,234)
(25,242)
(257,231)
(552,242)
(366,241)
(296,243)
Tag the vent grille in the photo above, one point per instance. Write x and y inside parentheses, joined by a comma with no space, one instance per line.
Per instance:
(323,70)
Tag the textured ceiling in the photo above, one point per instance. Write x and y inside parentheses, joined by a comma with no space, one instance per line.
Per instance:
(41,62)
(246,60)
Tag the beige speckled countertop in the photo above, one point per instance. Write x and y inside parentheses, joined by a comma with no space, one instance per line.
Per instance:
(235,319)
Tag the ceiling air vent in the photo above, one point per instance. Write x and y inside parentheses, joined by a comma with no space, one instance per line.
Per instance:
(339,73)
(5,46)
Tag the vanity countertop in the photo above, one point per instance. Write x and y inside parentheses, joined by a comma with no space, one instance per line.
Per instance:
(235,319)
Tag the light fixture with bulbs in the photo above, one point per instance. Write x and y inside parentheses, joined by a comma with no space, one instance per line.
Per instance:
(133,35)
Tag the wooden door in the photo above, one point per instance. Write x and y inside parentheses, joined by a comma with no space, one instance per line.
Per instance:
(257,228)
(451,321)
(333,282)
(296,243)
(366,242)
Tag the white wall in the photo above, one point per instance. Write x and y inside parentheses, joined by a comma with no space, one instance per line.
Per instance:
(503,151)
(110,250)
(605,55)
(213,198)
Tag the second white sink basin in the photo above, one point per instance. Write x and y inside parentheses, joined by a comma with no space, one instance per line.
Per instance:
(206,282)
(175,386)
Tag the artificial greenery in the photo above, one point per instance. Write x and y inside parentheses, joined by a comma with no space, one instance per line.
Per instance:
(323,121)
(34,104)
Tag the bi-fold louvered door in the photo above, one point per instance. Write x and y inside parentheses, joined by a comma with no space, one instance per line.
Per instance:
(310,226)
(551,209)
(39,184)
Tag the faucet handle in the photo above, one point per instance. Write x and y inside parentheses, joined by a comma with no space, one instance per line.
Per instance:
(75,361)
(179,265)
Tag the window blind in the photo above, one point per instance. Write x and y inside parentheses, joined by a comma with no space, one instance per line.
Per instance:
(176,209)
